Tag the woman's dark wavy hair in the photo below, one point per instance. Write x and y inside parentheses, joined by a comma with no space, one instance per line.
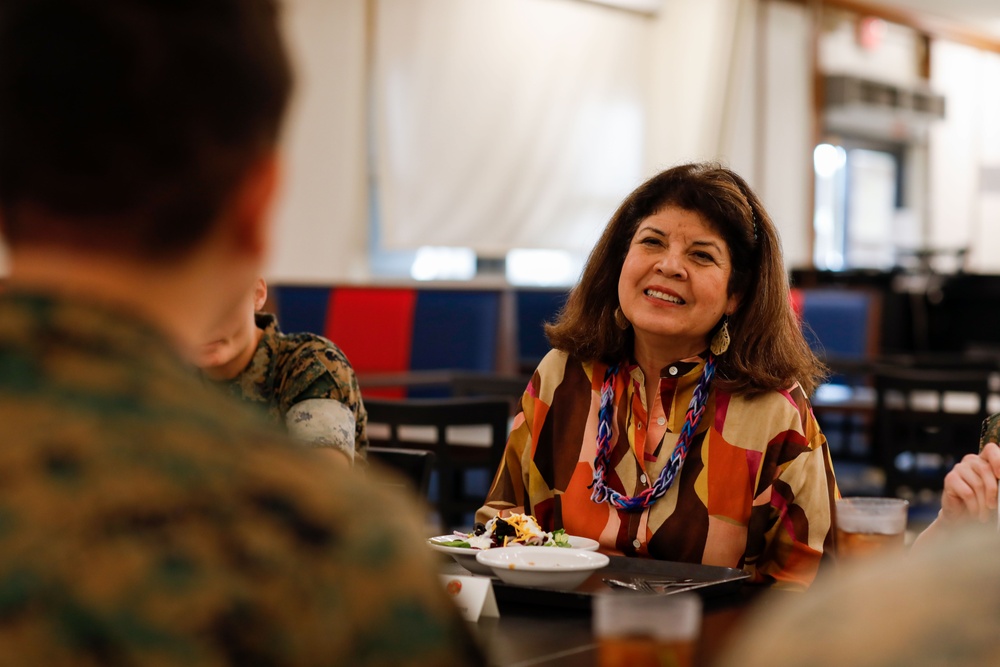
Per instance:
(768,351)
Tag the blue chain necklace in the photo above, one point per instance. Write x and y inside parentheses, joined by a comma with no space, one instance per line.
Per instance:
(600,493)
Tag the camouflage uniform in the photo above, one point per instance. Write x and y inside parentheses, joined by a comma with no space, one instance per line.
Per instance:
(991,430)
(289,369)
(148,520)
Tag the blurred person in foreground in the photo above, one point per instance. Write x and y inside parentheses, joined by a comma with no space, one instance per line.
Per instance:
(147,519)
(301,381)
(938,607)
(671,419)
(970,488)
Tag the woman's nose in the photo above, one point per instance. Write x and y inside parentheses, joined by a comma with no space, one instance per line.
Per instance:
(671,264)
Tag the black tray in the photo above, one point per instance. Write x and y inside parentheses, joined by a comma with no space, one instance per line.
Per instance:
(709,581)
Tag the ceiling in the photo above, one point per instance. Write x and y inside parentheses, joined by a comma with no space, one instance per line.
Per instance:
(980,15)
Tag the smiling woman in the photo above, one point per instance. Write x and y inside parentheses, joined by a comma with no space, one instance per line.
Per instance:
(671,420)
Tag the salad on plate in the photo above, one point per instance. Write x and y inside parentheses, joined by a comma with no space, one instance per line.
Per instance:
(513,529)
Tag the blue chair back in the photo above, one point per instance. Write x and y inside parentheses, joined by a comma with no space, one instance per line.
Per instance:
(535,308)
(838,323)
(454,329)
(301,308)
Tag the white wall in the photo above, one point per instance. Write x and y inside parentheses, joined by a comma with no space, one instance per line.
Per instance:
(895,60)
(321,218)
(786,185)
(962,146)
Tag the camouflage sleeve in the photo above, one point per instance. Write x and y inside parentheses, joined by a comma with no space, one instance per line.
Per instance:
(318,369)
(991,431)
(323,422)
(398,610)
(146,563)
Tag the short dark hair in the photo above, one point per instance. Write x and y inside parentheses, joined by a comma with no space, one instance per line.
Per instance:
(768,350)
(126,124)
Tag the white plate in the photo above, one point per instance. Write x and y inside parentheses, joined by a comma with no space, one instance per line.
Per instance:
(466,557)
(544,567)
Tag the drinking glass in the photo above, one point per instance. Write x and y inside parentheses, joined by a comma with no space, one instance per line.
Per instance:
(869,526)
(651,630)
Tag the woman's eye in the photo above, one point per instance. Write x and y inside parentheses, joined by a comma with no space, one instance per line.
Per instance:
(650,241)
(704,256)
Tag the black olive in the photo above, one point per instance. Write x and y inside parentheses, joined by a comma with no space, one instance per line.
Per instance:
(479,529)
(502,529)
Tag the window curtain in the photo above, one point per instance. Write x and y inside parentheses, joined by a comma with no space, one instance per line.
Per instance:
(732,81)
(506,123)
(522,123)
(321,216)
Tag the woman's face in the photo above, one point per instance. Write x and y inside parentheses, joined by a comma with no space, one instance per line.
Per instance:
(673,284)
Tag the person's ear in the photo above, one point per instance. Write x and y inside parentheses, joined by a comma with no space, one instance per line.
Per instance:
(251,210)
(259,294)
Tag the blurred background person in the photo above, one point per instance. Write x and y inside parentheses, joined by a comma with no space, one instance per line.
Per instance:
(938,607)
(301,380)
(147,519)
(671,419)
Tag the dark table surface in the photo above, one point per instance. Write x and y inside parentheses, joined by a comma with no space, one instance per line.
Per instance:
(527,634)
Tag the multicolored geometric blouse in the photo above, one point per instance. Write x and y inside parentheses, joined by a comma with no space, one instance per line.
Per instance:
(756,491)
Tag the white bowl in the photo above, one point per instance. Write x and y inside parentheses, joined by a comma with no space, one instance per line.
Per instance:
(467,557)
(544,567)
(463,556)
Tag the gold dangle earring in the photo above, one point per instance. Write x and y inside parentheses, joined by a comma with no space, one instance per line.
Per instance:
(620,319)
(721,340)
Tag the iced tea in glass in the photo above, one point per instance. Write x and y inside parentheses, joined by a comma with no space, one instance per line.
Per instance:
(646,630)
(870,526)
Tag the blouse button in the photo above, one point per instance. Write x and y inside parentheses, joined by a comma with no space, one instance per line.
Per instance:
(661,420)
(672,370)
(636,543)
(642,478)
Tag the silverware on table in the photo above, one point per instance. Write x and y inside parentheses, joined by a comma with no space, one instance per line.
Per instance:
(641,585)
(618,583)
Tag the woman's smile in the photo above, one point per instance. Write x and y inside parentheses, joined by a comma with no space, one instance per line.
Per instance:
(663,294)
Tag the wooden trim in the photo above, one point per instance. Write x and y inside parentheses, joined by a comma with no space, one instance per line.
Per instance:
(924,67)
(815,8)
(929,25)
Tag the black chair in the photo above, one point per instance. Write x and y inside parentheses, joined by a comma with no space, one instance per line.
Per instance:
(490,385)
(446,427)
(844,409)
(919,432)
(414,465)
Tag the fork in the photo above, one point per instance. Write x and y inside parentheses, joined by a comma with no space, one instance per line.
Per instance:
(643,585)
(670,581)
(660,585)
(629,585)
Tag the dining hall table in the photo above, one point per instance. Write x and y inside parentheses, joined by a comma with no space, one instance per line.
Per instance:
(527,633)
